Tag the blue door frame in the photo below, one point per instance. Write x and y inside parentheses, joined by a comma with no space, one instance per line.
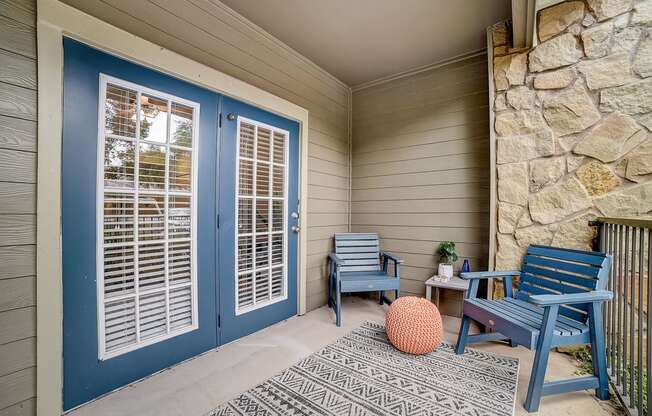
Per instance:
(85,375)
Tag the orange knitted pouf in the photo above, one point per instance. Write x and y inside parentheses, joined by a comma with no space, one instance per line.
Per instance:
(413,325)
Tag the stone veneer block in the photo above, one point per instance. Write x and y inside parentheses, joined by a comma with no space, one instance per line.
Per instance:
(508,215)
(554,53)
(555,19)
(509,70)
(634,98)
(588,20)
(546,171)
(632,201)
(573,162)
(570,111)
(606,9)
(576,233)
(640,163)
(536,234)
(626,40)
(509,255)
(520,98)
(561,78)
(520,148)
(646,120)
(519,123)
(597,40)
(512,183)
(501,103)
(616,135)
(597,178)
(643,59)
(612,71)
(556,202)
(642,13)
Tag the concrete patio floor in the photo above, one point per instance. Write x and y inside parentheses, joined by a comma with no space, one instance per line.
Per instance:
(198,385)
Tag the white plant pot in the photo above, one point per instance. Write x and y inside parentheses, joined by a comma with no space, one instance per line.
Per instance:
(445,270)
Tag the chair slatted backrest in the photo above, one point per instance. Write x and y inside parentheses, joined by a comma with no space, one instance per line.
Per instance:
(359,251)
(555,271)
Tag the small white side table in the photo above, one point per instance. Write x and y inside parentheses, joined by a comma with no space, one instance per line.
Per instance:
(455,283)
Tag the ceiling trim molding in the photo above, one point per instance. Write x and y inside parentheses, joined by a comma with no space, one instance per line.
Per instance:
(419,69)
(262,32)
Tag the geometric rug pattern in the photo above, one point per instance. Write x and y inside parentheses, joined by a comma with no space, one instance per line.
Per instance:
(363,374)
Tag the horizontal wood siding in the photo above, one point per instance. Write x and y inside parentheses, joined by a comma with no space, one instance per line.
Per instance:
(18,207)
(420,168)
(212,34)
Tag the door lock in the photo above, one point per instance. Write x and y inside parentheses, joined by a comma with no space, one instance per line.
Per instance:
(296,229)
(230,116)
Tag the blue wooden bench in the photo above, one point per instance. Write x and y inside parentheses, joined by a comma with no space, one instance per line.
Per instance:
(558,301)
(355,266)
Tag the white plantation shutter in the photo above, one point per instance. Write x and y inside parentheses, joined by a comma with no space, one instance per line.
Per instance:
(261,202)
(146,216)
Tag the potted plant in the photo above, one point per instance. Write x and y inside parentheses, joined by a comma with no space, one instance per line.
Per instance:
(447,256)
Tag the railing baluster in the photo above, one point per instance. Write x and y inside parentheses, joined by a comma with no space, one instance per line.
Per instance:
(639,311)
(631,301)
(649,319)
(625,309)
(619,306)
(610,305)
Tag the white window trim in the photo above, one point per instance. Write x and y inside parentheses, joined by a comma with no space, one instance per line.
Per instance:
(102,353)
(286,235)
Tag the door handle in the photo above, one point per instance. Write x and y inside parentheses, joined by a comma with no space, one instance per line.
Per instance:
(296,229)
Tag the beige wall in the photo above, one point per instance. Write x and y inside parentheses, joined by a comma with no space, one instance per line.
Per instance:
(213,35)
(17,206)
(420,159)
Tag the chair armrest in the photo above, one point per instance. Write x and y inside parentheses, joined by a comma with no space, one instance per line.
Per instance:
(488,275)
(392,257)
(337,260)
(572,298)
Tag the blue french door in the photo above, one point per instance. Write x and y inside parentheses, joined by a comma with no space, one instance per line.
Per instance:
(258,219)
(149,216)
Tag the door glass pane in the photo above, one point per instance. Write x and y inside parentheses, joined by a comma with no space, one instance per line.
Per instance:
(120,111)
(151,217)
(262,201)
(181,120)
(119,162)
(247,139)
(180,170)
(147,219)
(179,216)
(151,170)
(153,119)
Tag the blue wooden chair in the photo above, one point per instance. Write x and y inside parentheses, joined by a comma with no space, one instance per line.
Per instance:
(558,301)
(356,267)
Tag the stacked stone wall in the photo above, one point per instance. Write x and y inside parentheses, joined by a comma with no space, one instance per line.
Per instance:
(573,118)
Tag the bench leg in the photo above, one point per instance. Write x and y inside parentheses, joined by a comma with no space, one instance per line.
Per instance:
(396,294)
(464,333)
(512,343)
(535,387)
(598,352)
(338,305)
(380,297)
(330,291)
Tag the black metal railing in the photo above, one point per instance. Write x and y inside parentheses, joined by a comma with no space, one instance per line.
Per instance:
(626,317)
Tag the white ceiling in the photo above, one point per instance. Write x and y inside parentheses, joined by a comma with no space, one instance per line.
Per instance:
(362,40)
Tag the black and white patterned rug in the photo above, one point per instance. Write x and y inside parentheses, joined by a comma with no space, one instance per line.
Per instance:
(363,374)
